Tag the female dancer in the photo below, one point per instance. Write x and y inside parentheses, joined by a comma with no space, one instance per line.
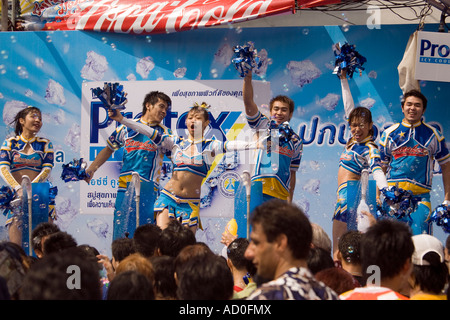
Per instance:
(360,153)
(192,159)
(25,154)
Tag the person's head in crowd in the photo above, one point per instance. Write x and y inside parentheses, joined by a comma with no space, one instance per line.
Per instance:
(187,253)
(430,272)
(349,254)
(63,275)
(130,285)
(205,278)
(281,236)
(388,245)
(120,249)
(13,268)
(174,238)
(319,259)
(40,234)
(137,262)
(320,238)
(236,256)
(91,253)
(349,248)
(146,239)
(165,286)
(58,241)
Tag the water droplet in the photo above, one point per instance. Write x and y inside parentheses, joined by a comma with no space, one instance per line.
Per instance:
(274,167)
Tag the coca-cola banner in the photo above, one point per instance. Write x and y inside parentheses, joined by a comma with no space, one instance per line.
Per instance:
(147,17)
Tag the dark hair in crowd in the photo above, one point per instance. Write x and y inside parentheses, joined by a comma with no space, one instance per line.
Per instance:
(235,252)
(350,246)
(122,248)
(278,217)
(387,244)
(205,277)
(433,277)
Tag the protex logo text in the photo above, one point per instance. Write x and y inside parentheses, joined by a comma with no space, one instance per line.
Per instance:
(434,52)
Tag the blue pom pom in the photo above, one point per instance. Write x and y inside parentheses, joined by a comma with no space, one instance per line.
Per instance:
(6,196)
(401,203)
(246,59)
(348,59)
(74,171)
(283,131)
(441,216)
(111,95)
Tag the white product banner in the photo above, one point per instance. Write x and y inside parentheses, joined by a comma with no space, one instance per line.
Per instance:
(433,56)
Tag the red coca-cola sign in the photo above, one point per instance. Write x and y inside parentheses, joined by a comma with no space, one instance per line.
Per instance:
(145,17)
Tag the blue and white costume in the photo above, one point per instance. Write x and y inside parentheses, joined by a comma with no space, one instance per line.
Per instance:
(141,155)
(409,152)
(356,157)
(13,159)
(187,210)
(274,163)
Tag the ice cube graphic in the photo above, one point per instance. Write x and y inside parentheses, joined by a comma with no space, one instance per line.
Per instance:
(95,67)
(330,101)
(73,137)
(65,211)
(367,103)
(303,204)
(98,227)
(58,117)
(131,77)
(10,109)
(373,74)
(312,186)
(54,93)
(144,66)
(314,165)
(265,62)
(224,55)
(179,73)
(303,72)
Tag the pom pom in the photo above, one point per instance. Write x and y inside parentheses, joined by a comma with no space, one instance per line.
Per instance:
(347,59)
(74,171)
(246,59)
(6,196)
(52,193)
(283,131)
(111,95)
(441,216)
(401,203)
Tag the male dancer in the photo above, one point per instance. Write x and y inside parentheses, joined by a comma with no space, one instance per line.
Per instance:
(408,150)
(278,177)
(140,153)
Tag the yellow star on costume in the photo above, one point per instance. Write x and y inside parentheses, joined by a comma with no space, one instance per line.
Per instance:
(402,134)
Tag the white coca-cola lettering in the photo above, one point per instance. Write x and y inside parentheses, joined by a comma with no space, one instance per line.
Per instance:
(138,17)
